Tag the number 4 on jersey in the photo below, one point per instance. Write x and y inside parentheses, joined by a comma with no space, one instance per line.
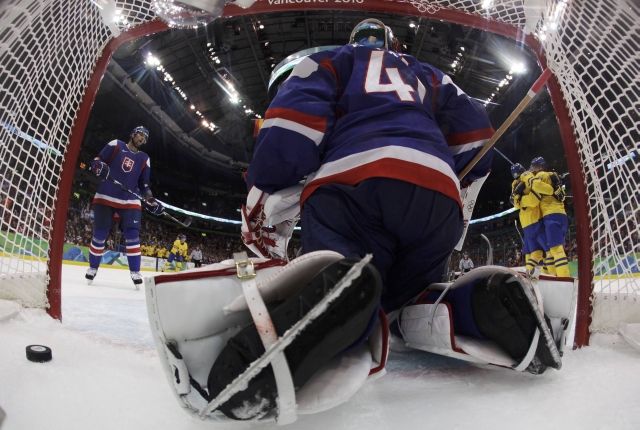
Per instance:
(373,82)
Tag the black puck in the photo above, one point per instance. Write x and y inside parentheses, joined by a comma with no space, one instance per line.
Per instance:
(38,353)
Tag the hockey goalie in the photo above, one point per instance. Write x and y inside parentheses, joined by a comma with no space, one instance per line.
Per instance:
(362,145)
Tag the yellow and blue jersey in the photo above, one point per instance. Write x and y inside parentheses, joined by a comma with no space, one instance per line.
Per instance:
(528,203)
(542,184)
(179,248)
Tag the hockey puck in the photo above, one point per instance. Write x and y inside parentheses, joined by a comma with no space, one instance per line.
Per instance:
(38,353)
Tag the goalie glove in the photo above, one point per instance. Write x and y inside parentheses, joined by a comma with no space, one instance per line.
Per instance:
(100,168)
(268,221)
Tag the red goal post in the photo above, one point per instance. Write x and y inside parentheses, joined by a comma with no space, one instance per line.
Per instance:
(53,54)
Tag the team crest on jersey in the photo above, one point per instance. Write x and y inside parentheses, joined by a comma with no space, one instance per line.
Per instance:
(127,164)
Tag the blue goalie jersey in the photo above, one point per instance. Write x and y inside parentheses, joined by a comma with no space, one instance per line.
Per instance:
(357,112)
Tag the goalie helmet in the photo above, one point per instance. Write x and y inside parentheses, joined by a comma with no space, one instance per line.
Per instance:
(517,170)
(182,237)
(141,130)
(538,164)
(373,33)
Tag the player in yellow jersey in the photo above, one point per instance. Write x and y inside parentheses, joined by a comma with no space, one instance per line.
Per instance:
(178,253)
(547,186)
(530,217)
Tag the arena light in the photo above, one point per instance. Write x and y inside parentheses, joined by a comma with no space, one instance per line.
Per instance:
(492,217)
(233,221)
(620,161)
(35,142)
(152,60)
(486,4)
(517,67)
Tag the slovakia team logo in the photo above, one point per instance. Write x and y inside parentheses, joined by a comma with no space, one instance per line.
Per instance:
(127,164)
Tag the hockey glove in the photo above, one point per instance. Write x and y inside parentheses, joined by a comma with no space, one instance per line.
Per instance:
(560,193)
(100,169)
(519,189)
(268,221)
(153,206)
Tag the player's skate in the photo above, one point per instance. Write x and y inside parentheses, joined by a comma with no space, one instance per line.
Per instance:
(136,277)
(345,322)
(91,273)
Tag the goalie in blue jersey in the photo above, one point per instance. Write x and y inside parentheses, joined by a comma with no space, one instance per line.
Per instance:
(364,145)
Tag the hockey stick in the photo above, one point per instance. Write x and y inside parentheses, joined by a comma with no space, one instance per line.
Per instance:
(473,194)
(241,381)
(515,223)
(185,223)
(489,250)
(531,94)
(511,163)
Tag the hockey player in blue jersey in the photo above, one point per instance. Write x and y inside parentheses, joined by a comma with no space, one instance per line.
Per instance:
(368,143)
(127,164)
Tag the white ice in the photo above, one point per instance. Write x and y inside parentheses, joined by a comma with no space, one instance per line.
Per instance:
(105,374)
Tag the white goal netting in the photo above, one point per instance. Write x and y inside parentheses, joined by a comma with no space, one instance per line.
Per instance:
(49,49)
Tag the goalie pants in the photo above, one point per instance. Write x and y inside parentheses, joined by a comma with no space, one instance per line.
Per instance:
(410,230)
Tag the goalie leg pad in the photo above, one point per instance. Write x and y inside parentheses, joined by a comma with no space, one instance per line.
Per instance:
(343,324)
(507,312)
(502,321)
(502,314)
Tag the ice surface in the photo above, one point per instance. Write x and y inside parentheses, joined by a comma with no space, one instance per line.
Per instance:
(105,374)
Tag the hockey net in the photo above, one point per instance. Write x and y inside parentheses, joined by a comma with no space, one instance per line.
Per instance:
(53,53)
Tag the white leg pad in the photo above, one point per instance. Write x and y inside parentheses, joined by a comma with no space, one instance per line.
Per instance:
(199,310)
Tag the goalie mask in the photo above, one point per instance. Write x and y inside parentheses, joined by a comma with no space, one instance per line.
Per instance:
(373,33)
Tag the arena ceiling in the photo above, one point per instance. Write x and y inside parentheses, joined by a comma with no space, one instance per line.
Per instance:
(243,51)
